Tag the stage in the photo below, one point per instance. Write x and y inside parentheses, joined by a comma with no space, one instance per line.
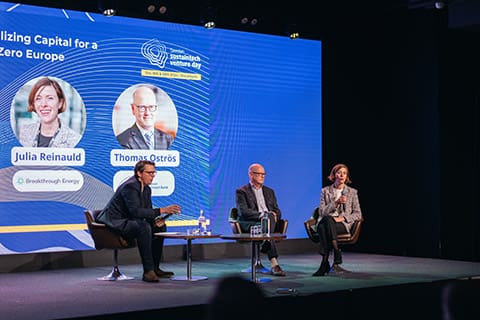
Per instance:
(405,285)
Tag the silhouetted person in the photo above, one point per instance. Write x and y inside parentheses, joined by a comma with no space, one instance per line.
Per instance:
(460,299)
(237,298)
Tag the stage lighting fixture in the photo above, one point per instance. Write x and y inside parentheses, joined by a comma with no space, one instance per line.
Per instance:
(109,12)
(162,9)
(427,4)
(107,7)
(294,35)
(209,24)
(293,32)
(439,5)
(151,8)
(209,17)
(246,21)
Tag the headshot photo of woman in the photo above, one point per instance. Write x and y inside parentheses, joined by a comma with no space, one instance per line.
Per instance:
(48,112)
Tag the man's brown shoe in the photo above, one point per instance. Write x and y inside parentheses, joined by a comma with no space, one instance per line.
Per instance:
(277,271)
(338,269)
(163,274)
(150,276)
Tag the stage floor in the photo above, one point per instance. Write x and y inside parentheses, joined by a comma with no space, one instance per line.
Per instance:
(75,293)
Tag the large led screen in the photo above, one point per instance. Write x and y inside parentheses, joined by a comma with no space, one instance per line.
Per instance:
(220,100)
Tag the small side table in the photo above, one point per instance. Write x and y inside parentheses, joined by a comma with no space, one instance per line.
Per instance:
(256,240)
(189,238)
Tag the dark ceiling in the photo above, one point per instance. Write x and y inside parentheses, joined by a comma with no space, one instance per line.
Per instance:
(313,18)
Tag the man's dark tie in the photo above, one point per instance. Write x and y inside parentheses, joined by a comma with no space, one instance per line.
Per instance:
(149,139)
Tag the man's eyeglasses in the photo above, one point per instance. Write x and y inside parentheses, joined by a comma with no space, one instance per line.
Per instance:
(143,108)
(263,174)
(152,173)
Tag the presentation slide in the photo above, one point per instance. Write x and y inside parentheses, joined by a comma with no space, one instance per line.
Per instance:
(77,87)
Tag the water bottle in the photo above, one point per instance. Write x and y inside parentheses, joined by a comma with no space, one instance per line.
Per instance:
(202,223)
(265,222)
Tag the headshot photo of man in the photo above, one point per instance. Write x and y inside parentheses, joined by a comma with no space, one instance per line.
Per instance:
(154,119)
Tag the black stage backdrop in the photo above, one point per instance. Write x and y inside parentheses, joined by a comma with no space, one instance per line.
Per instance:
(401,108)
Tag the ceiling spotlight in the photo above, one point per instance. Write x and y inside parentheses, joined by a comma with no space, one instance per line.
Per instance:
(439,5)
(427,4)
(209,24)
(294,35)
(151,8)
(293,32)
(208,18)
(162,9)
(107,7)
(109,12)
(245,21)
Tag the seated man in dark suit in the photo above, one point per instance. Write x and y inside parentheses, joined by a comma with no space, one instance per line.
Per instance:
(143,134)
(255,200)
(130,213)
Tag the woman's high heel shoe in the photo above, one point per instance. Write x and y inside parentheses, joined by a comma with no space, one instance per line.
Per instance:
(324,268)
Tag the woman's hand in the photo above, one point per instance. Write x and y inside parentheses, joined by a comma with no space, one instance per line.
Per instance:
(341,200)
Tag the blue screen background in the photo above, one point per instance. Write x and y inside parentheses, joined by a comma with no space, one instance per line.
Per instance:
(258,99)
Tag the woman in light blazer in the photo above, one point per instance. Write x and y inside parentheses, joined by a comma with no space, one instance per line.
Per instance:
(339,209)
